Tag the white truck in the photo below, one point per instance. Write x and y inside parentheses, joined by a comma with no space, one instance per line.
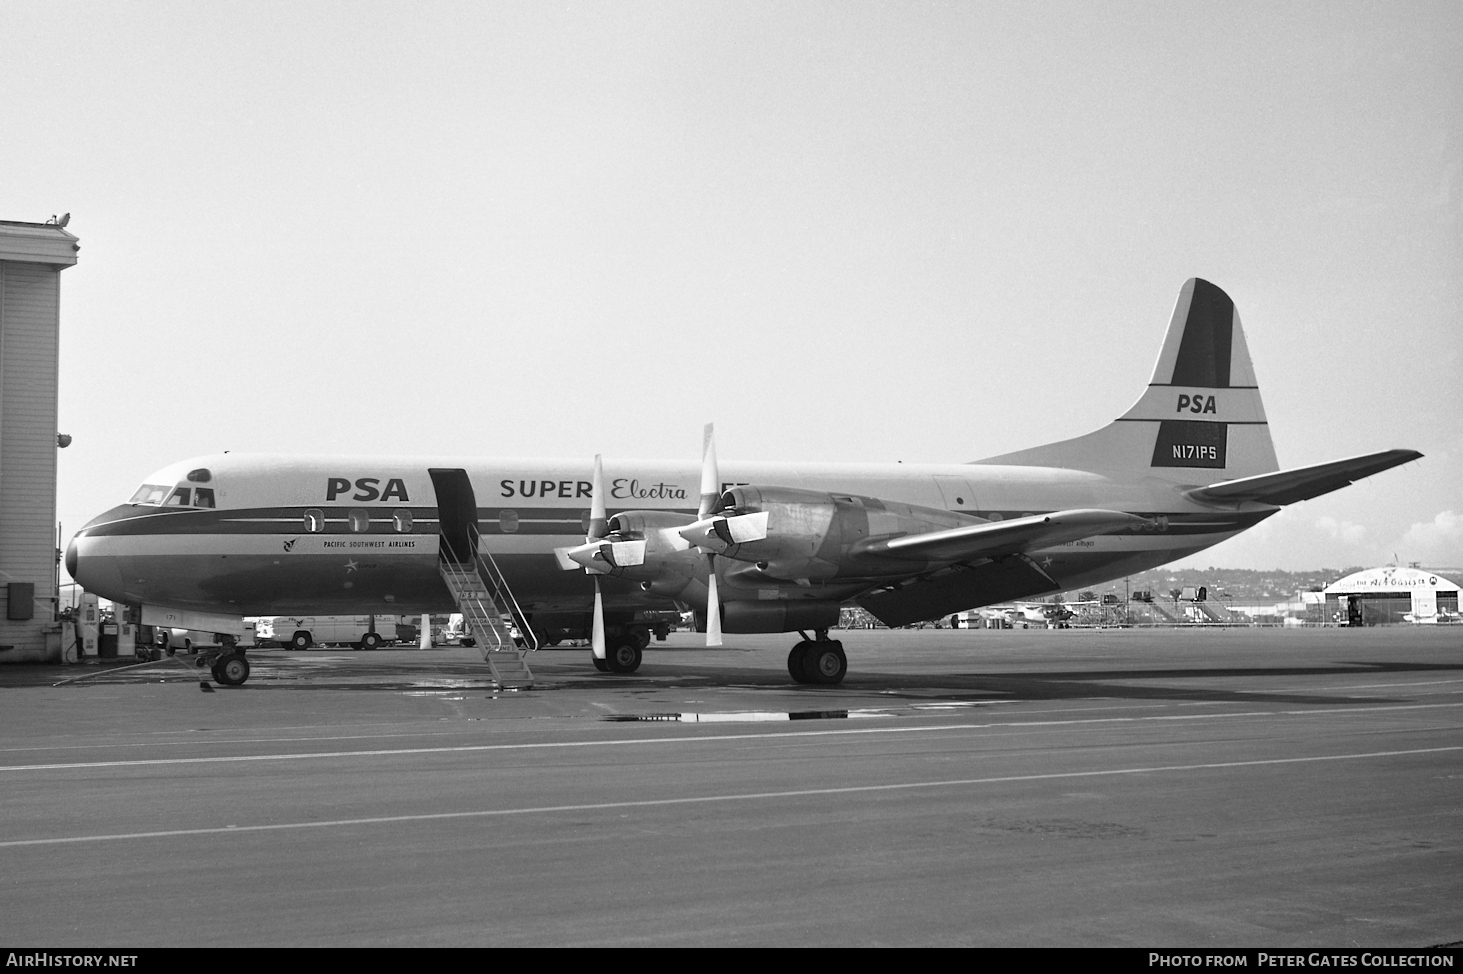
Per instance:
(360,632)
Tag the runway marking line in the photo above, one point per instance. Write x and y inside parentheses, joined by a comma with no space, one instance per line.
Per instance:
(709,799)
(695,738)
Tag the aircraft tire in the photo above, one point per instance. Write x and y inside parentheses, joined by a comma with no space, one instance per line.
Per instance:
(624,657)
(641,635)
(371,640)
(795,661)
(231,670)
(825,663)
(603,665)
(300,640)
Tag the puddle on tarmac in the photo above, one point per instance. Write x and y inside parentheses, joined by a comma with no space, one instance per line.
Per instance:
(747,716)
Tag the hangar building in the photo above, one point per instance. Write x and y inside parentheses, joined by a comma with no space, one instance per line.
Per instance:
(32,256)
(1378,596)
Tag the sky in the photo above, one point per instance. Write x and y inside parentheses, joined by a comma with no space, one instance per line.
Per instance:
(846,231)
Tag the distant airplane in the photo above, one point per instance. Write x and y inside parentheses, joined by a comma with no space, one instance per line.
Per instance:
(749,547)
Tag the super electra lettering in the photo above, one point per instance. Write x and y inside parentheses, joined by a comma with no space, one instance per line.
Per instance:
(623,488)
(367,490)
(567,489)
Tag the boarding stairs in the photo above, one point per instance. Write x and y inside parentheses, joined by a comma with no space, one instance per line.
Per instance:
(488,609)
(1214,612)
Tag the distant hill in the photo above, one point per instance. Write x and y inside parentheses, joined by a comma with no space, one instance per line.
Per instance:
(1237,584)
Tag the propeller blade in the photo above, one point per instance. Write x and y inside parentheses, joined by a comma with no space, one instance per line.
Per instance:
(747,527)
(710,476)
(713,606)
(627,554)
(710,498)
(598,528)
(598,525)
(597,639)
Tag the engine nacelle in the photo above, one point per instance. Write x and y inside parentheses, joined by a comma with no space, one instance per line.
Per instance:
(796,534)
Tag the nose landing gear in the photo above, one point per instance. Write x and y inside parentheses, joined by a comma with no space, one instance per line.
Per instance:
(229,669)
(819,661)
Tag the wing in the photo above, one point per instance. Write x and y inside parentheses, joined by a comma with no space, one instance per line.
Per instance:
(1301,483)
(1000,538)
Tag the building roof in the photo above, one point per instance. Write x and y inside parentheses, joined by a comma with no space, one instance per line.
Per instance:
(1391,579)
(37,243)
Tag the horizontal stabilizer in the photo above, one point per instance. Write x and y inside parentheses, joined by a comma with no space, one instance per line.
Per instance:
(999,538)
(1301,483)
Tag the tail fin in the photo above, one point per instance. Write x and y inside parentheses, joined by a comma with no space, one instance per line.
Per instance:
(1200,419)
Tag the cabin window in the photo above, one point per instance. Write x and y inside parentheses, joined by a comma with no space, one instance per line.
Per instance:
(180,497)
(508,521)
(150,494)
(401,521)
(203,497)
(360,520)
(314,520)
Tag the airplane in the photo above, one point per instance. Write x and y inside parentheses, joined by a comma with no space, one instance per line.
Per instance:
(747,547)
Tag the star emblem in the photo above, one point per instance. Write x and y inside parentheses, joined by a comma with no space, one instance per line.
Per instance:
(1046,562)
(350,566)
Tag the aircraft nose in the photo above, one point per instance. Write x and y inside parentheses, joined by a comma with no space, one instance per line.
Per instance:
(92,562)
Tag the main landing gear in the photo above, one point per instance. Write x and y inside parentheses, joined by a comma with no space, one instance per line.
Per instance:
(623,649)
(817,661)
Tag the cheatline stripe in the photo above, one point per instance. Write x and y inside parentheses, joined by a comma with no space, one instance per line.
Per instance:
(696,738)
(709,799)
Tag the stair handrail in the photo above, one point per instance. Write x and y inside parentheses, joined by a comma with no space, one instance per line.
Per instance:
(474,610)
(501,592)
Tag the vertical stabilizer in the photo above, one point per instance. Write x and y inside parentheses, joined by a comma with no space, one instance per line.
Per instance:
(1199,421)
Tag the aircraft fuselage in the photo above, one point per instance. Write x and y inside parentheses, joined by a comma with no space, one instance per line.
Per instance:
(343,535)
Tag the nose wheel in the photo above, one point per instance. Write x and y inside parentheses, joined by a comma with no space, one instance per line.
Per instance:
(230,669)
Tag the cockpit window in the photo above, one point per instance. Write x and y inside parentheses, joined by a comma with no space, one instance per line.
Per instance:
(151,494)
(180,497)
(203,497)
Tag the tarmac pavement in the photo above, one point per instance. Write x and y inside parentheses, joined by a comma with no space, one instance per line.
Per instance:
(1151,788)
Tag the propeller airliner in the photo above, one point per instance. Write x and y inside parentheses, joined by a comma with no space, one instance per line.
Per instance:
(570,547)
